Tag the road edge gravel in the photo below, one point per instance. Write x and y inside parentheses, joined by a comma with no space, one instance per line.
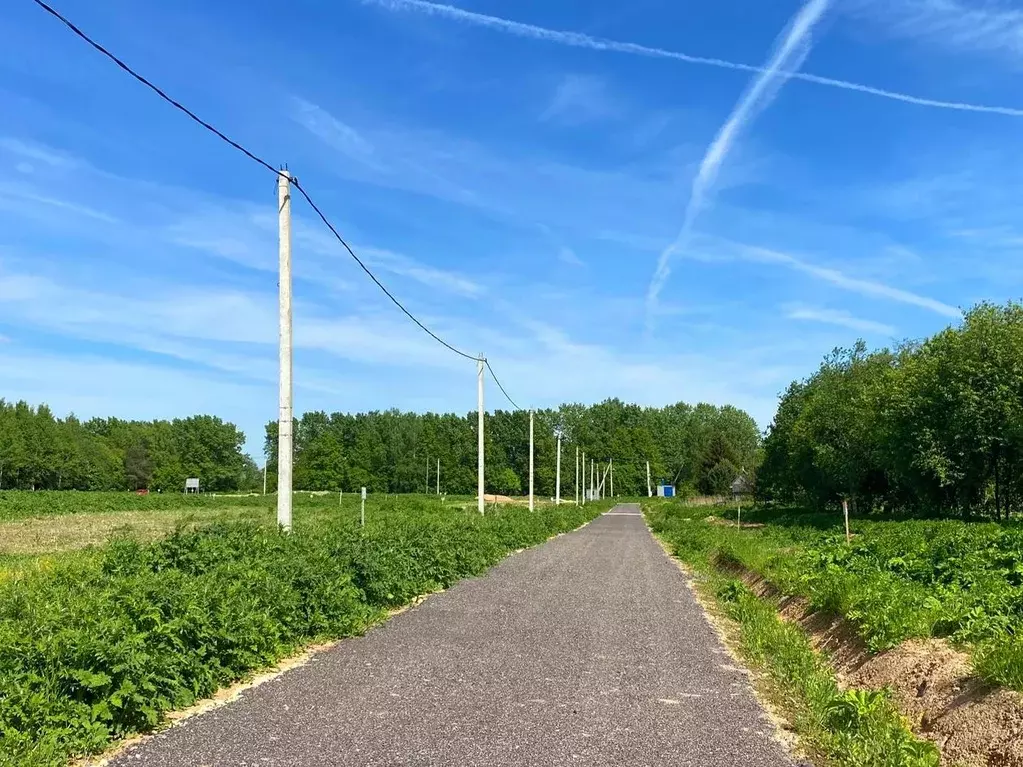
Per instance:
(727,630)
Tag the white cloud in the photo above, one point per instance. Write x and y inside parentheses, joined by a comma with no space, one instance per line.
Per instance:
(580,40)
(37,152)
(333,132)
(183,322)
(18,199)
(988,27)
(790,50)
(403,266)
(838,317)
(513,185)
(230,337)
(845,282)
(568,256)
(578,99)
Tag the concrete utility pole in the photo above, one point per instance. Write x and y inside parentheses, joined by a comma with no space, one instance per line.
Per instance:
(576,475)
(426,491)
(530,460)
(583,486)
(438,476)
(612,465)
(649,491)
(479,460)
(557,475)
(593,479)
(264,477)
(285,449)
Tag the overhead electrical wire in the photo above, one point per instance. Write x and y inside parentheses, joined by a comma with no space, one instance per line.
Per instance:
(373,277)
(255,158)
(499,386)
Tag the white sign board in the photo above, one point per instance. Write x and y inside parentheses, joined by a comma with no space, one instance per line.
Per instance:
(192,483)
(364,494)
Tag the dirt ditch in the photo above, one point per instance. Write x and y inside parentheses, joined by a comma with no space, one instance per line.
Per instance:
(933,684)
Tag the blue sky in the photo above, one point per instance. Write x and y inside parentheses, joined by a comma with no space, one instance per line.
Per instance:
(551,183)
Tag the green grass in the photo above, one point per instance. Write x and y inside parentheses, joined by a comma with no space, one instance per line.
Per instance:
(844,728)
(97,645)
(896,580)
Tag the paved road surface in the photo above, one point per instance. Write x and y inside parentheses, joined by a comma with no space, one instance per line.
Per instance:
(588,650)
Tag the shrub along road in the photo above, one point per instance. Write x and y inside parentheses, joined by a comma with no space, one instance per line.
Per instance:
(588,650)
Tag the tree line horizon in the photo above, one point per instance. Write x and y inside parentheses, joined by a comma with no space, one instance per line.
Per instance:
(699,447)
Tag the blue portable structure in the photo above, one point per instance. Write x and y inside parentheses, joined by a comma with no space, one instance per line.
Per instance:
(665,491)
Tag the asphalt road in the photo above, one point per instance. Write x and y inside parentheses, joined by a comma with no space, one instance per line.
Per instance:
(588,650)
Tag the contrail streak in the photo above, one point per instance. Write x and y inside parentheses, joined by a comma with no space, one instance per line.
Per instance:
(580,40)
(790,51)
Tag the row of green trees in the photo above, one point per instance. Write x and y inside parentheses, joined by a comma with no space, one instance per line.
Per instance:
(933,426)
(41,452)
(702,448)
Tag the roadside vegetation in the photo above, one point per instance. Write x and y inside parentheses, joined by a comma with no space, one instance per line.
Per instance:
(846,728)
(101,644)
(896,579)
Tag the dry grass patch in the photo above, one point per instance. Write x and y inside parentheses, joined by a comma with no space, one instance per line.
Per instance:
(60,534)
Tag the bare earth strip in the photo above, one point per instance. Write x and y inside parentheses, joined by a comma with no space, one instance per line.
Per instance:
(587,650)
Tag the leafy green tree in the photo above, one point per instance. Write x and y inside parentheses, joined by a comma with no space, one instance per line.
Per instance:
(933,427)
(137,467)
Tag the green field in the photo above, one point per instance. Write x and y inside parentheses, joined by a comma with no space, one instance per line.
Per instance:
(98,643)
(40,524)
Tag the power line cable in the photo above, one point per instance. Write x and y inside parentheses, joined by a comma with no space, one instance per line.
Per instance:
(499,386)
(373,277)
(192,115)
(176,104)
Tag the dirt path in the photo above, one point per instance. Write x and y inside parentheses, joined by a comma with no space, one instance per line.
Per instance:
(588,650)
